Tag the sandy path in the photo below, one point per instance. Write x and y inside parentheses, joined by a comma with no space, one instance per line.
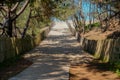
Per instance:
(52,57)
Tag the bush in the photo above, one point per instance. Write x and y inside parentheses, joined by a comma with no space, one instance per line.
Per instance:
(89,26)
(115,67)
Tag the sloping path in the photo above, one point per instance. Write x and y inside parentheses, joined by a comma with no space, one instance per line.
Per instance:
(52,58)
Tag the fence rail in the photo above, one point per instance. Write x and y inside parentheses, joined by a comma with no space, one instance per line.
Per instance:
(12,47)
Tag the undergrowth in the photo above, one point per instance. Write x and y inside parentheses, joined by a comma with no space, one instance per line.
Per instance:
(115,67)
(10,62)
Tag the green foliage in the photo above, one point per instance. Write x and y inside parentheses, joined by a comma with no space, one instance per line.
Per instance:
(115,66)
(95,24)
(21,20)
(118,72)
(87,27)
(64,10)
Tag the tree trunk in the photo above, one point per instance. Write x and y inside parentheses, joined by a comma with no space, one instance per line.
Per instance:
(100,20)
(107,21)
(10,28)
(9,24)
(90,20)
(27,25)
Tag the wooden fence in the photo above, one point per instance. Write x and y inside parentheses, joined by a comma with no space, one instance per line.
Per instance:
(12,47)
(107,50)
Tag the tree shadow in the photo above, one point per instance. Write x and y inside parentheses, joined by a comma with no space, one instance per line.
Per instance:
(98,67)
(51,58)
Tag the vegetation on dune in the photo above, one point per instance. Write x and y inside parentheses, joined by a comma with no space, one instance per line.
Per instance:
(101,16)
(104,12)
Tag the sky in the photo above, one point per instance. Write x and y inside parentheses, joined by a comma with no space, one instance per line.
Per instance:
(85,7)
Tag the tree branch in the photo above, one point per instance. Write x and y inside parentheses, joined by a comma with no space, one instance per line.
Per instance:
(117,13)
(3,13)
(15,7)
(21,10)
(19,30)
(3,8)
(27,24)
